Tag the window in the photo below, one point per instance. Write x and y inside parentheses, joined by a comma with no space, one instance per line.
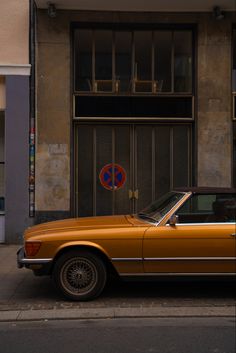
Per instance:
(212,208)
(163,60)
(183,61)
(2,162)
(83,60)
(123,60)
(103,61)
(133,62)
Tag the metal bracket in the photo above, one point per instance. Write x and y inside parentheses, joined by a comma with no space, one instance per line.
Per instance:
(133,194)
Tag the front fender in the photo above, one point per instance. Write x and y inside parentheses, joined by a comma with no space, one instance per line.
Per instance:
(87,244)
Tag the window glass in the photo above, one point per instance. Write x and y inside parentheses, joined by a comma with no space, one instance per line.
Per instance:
(162,61)
(103,60)
(210,208)
(159,208)
(183,61)
(123,58)
(143,61)
(83,60)
(140,61)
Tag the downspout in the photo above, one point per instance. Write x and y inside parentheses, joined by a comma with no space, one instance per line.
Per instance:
(32,124)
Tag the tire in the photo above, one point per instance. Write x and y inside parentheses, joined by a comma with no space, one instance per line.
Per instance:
(79,275)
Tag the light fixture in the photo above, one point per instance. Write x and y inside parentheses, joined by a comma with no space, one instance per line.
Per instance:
(52,11)
(218,13)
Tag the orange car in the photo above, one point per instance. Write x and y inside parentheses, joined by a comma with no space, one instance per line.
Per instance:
(187,232)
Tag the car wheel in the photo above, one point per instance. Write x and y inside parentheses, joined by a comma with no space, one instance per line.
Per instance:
(79,275)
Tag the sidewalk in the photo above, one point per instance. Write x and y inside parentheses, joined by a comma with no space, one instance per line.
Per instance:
(26,297)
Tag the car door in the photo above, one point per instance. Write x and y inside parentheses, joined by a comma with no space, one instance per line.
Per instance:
(198,244)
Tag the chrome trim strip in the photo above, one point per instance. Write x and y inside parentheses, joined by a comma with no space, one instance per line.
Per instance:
(162,274)
(228,258)
(202,224)
(127,259)
(34,261)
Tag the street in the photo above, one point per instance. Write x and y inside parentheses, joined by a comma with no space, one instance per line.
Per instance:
(166,335)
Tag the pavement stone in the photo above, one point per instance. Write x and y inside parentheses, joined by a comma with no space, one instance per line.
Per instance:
(26,297)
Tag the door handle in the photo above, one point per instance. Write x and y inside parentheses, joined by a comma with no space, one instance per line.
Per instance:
(133,194)
(233,234)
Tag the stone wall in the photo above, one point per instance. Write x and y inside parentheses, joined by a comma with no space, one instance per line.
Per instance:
(214,118)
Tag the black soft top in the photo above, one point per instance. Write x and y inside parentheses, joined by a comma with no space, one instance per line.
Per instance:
(206,190)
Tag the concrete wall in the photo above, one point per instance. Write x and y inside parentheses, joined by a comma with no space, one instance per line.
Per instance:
(53,116)
(213,160)
(214,102)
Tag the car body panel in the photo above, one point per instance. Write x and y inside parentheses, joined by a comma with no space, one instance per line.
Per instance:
(190,248)
(137,246)
(114,236)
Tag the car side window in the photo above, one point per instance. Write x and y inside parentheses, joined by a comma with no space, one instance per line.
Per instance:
(208,208)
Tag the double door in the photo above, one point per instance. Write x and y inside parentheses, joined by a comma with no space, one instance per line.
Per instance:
(121,168)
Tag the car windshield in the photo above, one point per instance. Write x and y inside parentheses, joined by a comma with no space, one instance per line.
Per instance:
(159,208)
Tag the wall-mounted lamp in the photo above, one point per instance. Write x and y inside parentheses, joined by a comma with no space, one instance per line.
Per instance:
(52,11)
(218,14)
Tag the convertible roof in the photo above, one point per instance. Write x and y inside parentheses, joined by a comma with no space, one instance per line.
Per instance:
(206,190)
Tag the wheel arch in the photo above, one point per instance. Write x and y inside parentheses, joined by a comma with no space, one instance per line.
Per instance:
(92,248)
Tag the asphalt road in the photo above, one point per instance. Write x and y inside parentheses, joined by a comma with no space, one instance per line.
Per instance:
(182,335)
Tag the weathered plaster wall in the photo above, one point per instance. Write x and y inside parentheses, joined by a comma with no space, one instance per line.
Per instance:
(14,32)
(214,103)
(213,162)
(53,115)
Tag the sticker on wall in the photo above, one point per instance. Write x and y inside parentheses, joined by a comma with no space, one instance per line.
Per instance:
(112,181)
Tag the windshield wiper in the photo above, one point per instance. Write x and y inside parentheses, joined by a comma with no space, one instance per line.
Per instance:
(145,216)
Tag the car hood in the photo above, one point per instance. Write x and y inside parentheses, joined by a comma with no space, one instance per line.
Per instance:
(80,224)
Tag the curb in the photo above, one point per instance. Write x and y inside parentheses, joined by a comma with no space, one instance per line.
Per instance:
(114,313)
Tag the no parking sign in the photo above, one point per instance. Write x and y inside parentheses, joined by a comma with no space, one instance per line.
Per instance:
(112,176)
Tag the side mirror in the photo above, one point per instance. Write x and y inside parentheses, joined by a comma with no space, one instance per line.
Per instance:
(174,220)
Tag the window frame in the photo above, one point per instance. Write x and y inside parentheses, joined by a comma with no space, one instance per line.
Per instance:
(132,28)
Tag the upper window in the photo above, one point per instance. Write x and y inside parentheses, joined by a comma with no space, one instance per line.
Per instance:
(212,208)
(140,61)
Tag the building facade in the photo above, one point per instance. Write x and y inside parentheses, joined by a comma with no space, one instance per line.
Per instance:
(126,101)
(14,118)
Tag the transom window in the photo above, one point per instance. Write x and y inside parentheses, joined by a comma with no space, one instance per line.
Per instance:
(133,61)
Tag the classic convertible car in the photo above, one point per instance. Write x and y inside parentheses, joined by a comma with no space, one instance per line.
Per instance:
(187,232)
